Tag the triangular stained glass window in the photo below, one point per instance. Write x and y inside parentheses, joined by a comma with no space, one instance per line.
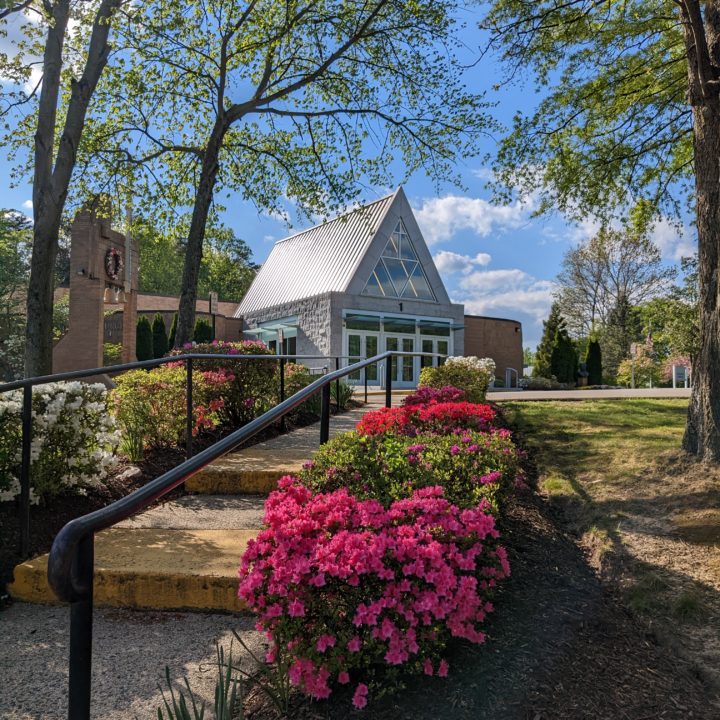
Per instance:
(398,273)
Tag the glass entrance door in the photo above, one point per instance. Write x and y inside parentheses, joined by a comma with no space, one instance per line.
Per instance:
(403,368)
(437,346)
(361,345)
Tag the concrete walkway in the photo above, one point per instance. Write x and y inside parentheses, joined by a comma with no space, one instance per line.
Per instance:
(524,395)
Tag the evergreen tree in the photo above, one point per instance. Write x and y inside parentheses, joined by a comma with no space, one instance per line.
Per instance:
(543,355)
(623,327)
(563,358)
(144,339)
(173,331)
(593,360)
(203,332)
(160,338)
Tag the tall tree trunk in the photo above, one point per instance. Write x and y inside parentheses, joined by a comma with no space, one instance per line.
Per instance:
(51,179)
(196,236)
(46,213)
(702,432)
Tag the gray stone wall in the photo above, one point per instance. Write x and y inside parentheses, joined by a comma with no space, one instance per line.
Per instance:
(314,333)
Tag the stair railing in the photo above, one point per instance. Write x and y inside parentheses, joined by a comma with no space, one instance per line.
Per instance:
(71,561)
(27,384)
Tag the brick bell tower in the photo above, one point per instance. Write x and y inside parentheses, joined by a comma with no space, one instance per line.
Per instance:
(103,275)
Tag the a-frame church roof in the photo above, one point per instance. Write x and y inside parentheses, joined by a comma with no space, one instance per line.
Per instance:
(328,257)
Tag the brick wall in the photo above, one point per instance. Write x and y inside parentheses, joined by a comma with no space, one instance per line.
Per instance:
(496,338)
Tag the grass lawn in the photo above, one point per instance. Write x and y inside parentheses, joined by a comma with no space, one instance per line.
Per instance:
(648,516)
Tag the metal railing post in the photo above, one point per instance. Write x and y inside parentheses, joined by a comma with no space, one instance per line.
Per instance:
(25,472)
(337,385)
(282,391)
(364,372)
(325,414)
(388,382)
(189,409)
(81,620)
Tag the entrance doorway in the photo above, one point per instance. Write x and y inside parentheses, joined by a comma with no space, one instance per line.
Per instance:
(362,345)
(403,368)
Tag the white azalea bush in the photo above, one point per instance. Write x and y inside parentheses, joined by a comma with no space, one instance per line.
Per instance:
(73,440)
(471,374)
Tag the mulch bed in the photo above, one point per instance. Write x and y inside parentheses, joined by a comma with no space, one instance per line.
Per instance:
(559,647)
(47,520)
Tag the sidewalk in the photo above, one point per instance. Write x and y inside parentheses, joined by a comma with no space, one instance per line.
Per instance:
(525,395)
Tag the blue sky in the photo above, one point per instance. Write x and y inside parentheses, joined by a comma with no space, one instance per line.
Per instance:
(496,259)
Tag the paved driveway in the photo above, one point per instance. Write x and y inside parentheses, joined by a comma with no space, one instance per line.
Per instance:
(515,395)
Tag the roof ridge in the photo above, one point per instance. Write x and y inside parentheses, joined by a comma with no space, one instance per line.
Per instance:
(325,223)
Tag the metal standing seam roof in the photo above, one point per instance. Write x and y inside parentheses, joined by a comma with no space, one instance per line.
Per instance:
(319,260)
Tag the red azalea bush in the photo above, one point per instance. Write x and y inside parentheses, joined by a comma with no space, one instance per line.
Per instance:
(346,587)
(469,465)
(439,418)
(427,395)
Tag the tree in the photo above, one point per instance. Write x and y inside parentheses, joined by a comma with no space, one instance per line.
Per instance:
(563,358)
(73,60)
(644,122)
(543,356)
(308,100)
(614,263)
(15,241)
(528,357)
(624,327)
(143,339)
(159,336)
(226,267)
(593,360)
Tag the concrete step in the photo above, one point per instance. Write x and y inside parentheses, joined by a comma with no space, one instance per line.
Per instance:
(252,471)
(159,568)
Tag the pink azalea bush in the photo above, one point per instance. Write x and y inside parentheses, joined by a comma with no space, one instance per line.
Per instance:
(427,395)
(254,385)
(469,465)
(345,587)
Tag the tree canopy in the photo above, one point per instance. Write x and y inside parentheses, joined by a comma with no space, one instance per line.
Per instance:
(614,124)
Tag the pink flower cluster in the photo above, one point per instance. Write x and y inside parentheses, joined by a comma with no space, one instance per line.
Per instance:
(342,585)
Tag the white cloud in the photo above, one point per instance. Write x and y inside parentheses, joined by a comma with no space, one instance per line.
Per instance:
(441,218)
(450,262)
(673,242)
(510,293)
(28,204)
(268,238)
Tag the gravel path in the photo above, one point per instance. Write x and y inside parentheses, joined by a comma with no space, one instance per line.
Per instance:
(130,652)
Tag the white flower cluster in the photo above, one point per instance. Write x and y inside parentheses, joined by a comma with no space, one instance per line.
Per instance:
(73,440)
(485,365)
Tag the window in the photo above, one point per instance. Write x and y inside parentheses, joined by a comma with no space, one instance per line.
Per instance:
(398,273)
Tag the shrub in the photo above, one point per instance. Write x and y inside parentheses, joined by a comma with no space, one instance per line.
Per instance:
(440,418)
(143,339)
(159,337)
(470,466)
(150,406)
(346,589)
(173,332)
(470,374)
(426,395)
(540,383)
(112,353)
(563,359)
(72,441)
(297,377)
(202,332)
(255,385)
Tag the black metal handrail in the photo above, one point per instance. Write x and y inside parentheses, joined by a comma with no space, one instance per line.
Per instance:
(27,384)
(71,561)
